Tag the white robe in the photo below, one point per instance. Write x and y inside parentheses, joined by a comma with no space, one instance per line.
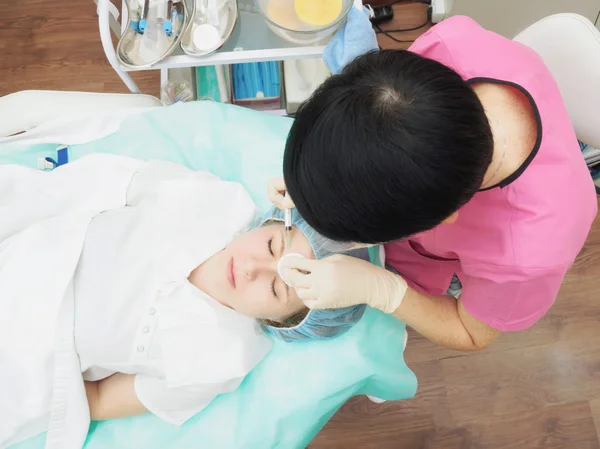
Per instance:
(136,311)
(43,221)
(44,217)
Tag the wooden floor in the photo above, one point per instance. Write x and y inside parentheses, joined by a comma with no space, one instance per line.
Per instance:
(55,44)
(534,389)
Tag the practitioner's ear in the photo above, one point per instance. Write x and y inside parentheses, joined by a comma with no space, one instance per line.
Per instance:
(451,219)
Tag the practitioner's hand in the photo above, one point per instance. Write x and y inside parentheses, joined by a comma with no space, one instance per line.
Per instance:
(343,281)
(278,194)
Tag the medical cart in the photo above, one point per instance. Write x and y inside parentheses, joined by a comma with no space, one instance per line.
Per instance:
(251,41)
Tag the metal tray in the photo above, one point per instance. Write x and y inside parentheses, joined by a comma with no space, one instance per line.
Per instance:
(129,49)
(226,30)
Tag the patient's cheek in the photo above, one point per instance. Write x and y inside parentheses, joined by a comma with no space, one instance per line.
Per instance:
(300,245)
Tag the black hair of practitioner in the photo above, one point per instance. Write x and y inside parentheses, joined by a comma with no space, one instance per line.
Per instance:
(390,147)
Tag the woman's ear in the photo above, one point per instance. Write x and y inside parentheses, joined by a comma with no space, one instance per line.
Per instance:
(451,219)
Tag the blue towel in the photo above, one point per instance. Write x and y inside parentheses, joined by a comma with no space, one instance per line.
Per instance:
(354,39)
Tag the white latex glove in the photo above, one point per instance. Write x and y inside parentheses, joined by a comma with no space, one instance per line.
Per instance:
(277,193)
(343,281)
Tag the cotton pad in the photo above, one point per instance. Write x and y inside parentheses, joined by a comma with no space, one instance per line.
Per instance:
(206,37)
(318,13)
(280,267)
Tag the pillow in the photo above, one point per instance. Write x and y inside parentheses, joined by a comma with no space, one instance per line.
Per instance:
(292,393)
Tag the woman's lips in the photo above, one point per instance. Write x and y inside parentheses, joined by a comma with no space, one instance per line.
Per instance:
(230,272)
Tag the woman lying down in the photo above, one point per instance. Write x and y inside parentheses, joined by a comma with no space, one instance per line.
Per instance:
(129,287)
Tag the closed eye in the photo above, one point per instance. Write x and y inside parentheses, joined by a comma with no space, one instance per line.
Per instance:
(270,245)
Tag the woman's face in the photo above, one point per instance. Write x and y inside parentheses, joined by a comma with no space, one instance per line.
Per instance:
(244,275)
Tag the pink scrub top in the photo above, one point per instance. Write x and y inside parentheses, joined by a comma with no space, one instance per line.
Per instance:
(513,243)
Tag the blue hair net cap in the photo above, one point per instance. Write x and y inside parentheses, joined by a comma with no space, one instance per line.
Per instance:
(318,324)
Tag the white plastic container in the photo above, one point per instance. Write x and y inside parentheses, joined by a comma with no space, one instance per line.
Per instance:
(302,77)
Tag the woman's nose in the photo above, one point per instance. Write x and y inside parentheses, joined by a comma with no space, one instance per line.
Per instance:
(256,267)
